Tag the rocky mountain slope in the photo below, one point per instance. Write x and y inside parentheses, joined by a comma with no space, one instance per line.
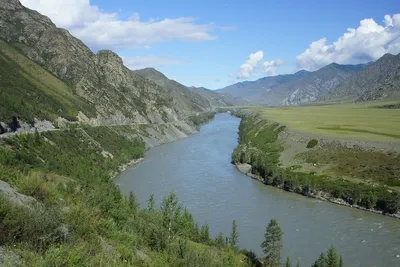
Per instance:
(186,99)
(293,89)
(218,99)
(381,80)
(322,81)
(99,80)
(253,90)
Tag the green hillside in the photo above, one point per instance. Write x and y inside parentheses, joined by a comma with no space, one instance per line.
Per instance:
(28,90)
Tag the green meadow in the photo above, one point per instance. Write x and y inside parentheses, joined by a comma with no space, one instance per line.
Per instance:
(365,121)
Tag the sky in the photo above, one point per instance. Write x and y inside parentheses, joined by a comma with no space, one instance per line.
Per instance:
(215,43)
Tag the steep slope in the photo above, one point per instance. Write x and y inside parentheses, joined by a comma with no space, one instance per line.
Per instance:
(293,89)
(186,99)
(118,95)
(218,99)
(318,82)
(381,80)
(29,91)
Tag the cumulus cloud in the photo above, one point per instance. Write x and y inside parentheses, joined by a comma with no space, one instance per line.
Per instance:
(366,43)
(141,62)
(269,67)
(254,65)
(106,30)
(251,64)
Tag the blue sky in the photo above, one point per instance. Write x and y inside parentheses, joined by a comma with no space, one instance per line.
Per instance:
(209,47)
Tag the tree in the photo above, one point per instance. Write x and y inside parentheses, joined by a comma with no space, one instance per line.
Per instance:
(298,264)
(205,233)
(150,203)
(341,262)
(288,262)
(37,137)
(133,203)
(320,262)
(188,224)
(332,258)
(233,239)
(272,244)
(2,130)
(220,240)
(14,125)
(171,213)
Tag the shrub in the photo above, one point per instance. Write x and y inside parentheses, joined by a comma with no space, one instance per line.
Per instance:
(312,143)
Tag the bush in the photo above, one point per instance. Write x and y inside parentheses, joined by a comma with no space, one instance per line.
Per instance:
(312,143)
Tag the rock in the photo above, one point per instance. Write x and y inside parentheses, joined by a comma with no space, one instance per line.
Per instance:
(244,168)
(15,197)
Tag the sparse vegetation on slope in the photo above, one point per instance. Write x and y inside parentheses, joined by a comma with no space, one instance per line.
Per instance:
(29,91)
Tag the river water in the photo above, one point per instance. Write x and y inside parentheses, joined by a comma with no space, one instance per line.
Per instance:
(199,171)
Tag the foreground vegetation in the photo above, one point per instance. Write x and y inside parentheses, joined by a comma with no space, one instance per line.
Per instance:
(78,217)
(260,146)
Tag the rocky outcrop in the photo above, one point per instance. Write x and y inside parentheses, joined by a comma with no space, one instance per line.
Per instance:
(13,196)
(184,98)
(119,95)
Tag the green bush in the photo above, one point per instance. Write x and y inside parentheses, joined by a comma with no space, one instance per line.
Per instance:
(312,143)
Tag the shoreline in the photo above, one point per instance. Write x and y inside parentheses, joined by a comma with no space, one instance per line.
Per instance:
(125,166)
(245,168)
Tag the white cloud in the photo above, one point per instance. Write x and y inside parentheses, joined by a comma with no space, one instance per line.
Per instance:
(141,62)
(105,30)
(254,66)
(251,64)
(270,67)
(366,43)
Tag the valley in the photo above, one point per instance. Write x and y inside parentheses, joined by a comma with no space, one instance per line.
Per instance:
(103,163)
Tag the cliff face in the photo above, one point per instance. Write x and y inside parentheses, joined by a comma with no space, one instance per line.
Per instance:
(118,95)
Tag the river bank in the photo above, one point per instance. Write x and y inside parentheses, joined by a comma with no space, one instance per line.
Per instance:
(199,170)
(246,169)
(342,175)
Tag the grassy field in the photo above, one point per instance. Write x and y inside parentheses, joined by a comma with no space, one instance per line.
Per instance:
(363,121)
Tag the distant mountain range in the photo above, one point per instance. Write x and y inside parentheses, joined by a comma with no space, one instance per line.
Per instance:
(345,83)
(47,73)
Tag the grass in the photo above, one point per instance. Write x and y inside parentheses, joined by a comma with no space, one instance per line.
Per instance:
(28,90)
(365,121)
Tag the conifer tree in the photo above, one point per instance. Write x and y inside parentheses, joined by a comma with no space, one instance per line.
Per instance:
(272,245)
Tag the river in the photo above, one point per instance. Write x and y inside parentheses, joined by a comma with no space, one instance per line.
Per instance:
(199,171)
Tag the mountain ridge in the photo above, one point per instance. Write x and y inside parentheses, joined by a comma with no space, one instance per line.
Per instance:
(293,89)
(118,95)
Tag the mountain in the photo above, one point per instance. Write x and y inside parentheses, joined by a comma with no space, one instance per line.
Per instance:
(218,99)
(186,99)
(293,89)
(381,80)
(322,81)
(62,71)
(252,91)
